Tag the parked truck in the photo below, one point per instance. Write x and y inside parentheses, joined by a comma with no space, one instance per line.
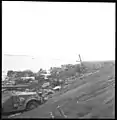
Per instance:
(13,101)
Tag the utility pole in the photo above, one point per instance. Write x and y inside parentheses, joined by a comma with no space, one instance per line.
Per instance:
(81,64)
(80,60)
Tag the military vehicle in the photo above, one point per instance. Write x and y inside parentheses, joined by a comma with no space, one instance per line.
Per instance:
(13,101)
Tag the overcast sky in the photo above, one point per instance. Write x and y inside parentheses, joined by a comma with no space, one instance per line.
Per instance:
(58,30)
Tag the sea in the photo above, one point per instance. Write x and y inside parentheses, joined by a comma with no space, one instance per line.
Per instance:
(25,62)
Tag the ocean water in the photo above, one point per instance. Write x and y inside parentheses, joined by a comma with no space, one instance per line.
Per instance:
(28,62)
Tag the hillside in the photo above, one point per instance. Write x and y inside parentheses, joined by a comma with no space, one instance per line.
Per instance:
(90,97)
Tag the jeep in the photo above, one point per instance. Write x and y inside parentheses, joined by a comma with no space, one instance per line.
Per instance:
(17,101)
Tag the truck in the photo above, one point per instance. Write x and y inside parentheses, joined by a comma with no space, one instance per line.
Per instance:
(14,101)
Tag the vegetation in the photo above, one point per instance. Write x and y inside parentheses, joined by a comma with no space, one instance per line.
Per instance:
(56,73)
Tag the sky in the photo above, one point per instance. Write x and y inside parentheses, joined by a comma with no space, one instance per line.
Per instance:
(58,31)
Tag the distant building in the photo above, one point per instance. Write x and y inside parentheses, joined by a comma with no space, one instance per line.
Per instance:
(25,78)
(46,75)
